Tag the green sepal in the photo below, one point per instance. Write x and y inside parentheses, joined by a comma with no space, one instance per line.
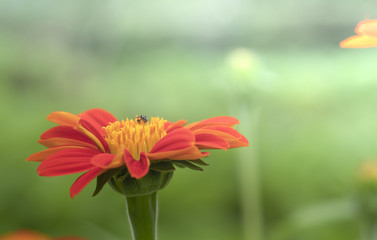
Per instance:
(132,187)
(199,162)
(103,178)
(188,164)
(162,167)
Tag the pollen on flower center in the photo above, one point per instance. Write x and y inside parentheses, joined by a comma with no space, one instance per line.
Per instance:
(136,136)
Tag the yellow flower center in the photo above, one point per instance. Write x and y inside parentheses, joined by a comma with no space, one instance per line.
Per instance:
(139,135)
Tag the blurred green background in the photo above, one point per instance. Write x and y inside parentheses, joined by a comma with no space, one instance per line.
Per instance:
(175,59)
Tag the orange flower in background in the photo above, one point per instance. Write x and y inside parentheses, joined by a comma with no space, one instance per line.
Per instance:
(95,142)
(366,35)
(31,235)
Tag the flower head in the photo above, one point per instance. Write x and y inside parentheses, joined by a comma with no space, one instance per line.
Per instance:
(366,35)
(96,143)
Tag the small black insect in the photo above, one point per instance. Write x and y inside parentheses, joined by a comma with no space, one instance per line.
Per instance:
(141,118)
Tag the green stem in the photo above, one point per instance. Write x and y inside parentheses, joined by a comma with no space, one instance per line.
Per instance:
(250,179)
(142,214)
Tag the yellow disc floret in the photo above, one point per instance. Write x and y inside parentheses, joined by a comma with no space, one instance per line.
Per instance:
(134,135)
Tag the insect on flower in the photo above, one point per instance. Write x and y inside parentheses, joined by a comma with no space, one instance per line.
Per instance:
(141,118)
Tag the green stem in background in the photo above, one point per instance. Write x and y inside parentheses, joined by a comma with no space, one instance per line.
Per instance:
(142,214)
(247,87)
(249,177)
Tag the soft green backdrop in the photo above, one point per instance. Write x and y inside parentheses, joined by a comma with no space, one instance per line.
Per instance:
(170,58)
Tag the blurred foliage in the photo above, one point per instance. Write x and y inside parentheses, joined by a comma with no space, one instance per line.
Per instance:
(171,59)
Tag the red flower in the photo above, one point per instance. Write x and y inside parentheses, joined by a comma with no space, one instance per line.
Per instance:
(366,35)
(95,142)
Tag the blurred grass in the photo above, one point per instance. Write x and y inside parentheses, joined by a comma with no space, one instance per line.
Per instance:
(317,118)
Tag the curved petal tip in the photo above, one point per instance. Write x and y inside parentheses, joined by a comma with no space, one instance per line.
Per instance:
(137,168)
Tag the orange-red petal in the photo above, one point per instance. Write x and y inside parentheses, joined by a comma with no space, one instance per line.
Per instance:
(229,130)
(65,132)
(63,118)
(210,141)
(67,161)
(84,180)
(137,168)
(54,142)
(367,27)
(232,136)
(359,41)
(242,142)
(177,139)
(42,155)
(24,235)
(91,132)
(190,153)
(224,120)
(98,118)
(169,126)
(102,160)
